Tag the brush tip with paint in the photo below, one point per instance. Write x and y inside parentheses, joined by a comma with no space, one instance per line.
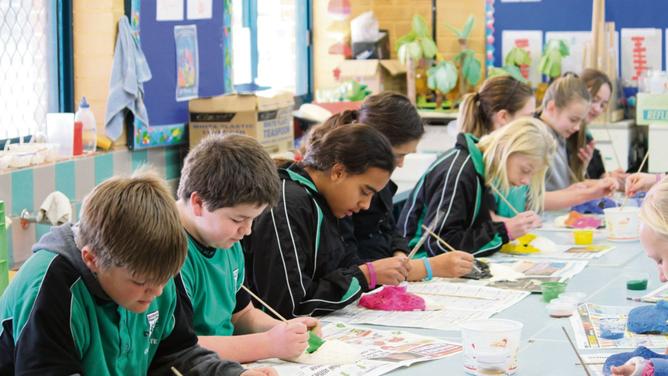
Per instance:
(314,342)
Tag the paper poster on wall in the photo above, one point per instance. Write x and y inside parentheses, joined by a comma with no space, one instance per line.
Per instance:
(576,42)
(169,10)
(187,62)
(641,51)
(199,9)
(530,40)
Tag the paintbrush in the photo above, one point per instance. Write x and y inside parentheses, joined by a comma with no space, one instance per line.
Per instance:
(504,199)
(454,295)
(314,342)
(642,164)
(419,244)
(176,372)
(448,246)
(584,365)
(424,236)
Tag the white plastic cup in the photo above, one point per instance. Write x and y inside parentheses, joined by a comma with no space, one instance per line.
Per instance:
(490,340)
(623,223)
(60,131)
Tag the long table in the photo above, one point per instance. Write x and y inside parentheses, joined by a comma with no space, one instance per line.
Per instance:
(544,349)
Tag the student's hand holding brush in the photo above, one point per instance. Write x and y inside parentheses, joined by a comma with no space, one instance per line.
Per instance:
(452,264)
(522,223)
(288,339)
(640,182)
(387,271)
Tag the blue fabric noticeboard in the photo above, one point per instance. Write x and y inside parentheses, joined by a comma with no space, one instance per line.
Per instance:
(574,15)
(168,117)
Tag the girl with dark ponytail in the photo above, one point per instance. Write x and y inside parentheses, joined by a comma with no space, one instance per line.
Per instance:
(373,232)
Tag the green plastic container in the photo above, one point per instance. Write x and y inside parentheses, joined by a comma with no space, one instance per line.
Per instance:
(4,276)
(4,256)
(636,284)
(552,290)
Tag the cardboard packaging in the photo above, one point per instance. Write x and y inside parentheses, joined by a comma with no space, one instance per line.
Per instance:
(265,116)
(378,75)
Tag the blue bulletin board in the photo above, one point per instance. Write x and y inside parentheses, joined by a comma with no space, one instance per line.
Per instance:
(574,15)
(168,117)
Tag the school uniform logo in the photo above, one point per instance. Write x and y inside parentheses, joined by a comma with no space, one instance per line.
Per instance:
(152,320)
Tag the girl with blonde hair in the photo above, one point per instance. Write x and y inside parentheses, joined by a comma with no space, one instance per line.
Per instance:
(565,109)
(454,195)
(499,101)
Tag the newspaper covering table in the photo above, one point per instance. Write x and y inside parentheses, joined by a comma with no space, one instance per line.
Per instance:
(595,362)
(534,272)
(568,252)
(382,352)
(448,306)
(586,327)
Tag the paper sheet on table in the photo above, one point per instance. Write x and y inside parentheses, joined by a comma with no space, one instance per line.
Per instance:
(569,252)
(587,333)
(595,362)
(542,268)
(458,303)
(535,271)
(383,351)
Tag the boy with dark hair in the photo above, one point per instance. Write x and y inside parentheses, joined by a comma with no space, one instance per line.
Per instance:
(226,182)
(99,297)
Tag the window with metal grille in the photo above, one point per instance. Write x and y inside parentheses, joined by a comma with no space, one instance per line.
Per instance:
(28,68)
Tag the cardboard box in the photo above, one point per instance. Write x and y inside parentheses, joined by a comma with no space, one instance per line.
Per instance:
(265,116)
(378,75)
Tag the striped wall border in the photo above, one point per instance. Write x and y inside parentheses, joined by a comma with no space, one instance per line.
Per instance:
(27,188)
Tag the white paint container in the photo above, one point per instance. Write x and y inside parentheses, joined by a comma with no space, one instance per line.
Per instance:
(491,341)
(623,224)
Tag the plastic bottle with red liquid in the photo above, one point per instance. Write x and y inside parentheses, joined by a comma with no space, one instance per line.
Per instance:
(77,141)
(86,129)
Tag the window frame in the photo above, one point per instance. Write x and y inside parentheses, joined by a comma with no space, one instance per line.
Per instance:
(303,11)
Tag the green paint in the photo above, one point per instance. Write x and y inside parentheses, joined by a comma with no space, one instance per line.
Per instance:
(104,167)
(552,290)
(636,284)
(314,342)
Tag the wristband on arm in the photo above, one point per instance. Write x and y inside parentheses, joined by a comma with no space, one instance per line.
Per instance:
(427,267)
(372,275)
